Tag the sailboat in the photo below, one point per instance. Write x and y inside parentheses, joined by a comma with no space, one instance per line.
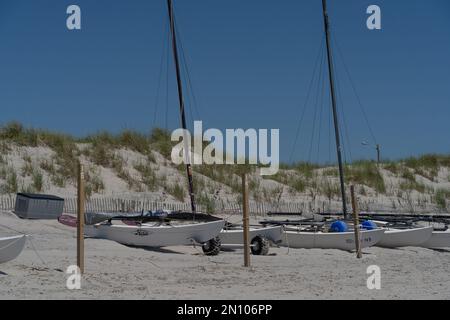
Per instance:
(11,247)
(383,235)
(409,230)
(304,236)
(330,240)
(161,232)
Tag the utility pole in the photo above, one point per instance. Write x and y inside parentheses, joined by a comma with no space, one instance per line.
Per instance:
(378,153)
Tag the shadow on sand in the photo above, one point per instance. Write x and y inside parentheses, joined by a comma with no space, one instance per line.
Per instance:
(155,249)
(441,250)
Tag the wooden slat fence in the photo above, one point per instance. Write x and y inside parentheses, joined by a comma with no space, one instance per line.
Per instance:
(7,203)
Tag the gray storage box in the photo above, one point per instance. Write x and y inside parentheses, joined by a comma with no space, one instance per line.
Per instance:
(38,206)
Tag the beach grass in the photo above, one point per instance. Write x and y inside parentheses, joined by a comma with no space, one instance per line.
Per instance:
(104,150)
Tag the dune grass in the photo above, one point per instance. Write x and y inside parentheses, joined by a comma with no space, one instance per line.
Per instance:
(441,198)
(365,173)
(11,184)
(102,149)
(148,175)
(177,191)
(38,181)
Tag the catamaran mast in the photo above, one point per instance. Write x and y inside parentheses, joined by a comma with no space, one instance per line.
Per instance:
(333,102)
(180,98)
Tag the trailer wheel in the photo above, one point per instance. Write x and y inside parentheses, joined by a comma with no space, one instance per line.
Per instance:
(212,247)
(260,246)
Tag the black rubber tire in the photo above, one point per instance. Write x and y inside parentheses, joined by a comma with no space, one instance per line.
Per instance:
(260,246)
(212,247)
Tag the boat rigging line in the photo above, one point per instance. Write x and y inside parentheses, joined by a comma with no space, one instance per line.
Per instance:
(164,54)
(187,78)
(352,83)
(305,105)
(317,98)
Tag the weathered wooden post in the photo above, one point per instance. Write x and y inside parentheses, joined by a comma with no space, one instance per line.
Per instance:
(245,220)
(80,218)
(356,222)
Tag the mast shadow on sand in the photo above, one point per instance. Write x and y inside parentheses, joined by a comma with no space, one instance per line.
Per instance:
(154,249)
(441,250)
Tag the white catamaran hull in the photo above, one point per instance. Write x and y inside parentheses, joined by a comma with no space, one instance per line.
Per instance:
(330,240)
(438,239)
(11,247)
(236,237)
(156,236)
(394,238)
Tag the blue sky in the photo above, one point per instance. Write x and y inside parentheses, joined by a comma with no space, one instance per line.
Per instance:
(250,64)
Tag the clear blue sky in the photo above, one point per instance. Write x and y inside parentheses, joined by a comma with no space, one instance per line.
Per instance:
(250,63)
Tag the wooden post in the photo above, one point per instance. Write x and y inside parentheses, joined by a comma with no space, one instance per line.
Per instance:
(80,219)
(356,222)
(245,220)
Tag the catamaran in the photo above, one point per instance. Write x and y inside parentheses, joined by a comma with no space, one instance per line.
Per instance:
(299,238)
(405,231)
(164,232)
(156,235)
(307,235)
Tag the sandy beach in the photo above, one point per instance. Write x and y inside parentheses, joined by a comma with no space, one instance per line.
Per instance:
(114,271)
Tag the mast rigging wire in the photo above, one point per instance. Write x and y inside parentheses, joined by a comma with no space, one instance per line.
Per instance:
(361,106)
(320,120)
(190,96)
(188,81)
(345,137)
(319,82)
(160,77)
(302,115)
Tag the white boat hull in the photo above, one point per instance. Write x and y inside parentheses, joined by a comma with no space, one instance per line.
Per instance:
(156,236)
(394,238)
(330,240)
(11,247)
(438,239)
(236,237)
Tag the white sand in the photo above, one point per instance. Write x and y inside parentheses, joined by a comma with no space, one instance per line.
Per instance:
(114,271)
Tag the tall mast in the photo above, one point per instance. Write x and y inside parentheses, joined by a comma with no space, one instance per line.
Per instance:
(333,102)
(180,98)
